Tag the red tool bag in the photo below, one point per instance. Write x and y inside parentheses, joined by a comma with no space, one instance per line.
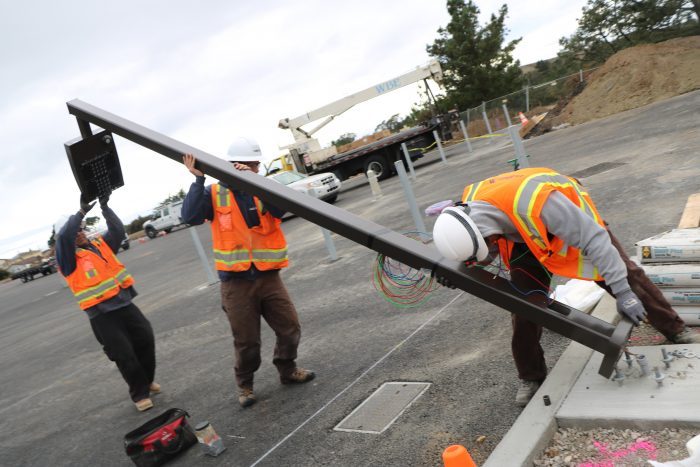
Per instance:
(160,439)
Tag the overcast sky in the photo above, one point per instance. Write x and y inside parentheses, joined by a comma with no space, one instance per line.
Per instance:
(203,72)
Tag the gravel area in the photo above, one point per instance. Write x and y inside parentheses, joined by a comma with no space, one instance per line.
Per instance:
(614,448)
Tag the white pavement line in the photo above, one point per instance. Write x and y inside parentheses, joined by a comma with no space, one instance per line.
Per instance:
(51,293)
(283,440)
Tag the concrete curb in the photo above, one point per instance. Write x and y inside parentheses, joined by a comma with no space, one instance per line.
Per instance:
(536,424)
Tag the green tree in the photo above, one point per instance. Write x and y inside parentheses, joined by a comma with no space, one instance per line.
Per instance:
(477,66)
(608,26)
(136,225)
(179,196)
(52,239)
(393,124)
(344,139)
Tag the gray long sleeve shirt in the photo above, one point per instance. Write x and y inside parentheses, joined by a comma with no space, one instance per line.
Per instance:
(566,221)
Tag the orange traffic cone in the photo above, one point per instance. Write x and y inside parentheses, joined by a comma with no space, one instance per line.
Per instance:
(457,456)
(523,119)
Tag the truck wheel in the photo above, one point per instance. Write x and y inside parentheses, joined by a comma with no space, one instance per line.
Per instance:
(151,233)
(378,165)
(23,279)
(332,199)
(168,230)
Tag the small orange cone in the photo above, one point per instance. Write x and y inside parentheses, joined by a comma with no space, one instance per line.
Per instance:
(457,456)
(523,119)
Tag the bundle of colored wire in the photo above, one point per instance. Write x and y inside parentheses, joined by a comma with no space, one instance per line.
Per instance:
(402,285)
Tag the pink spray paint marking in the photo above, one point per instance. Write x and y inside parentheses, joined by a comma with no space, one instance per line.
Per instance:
(611,456)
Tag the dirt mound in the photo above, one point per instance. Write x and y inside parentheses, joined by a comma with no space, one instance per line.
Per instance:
(632,78)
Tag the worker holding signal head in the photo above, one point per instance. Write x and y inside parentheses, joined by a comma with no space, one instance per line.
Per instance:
(537,222)
(249,252)
(105,290)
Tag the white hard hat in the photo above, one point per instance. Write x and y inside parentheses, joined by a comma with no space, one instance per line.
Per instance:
(457,237)
(244,150)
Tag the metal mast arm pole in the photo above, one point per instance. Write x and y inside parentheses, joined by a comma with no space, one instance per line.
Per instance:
(562,319)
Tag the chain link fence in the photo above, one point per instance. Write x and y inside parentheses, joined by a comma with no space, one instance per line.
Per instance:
(497,114)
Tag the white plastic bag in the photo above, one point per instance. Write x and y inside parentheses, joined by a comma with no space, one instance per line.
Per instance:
(579,294)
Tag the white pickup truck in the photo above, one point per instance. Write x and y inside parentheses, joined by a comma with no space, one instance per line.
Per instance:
(164,219)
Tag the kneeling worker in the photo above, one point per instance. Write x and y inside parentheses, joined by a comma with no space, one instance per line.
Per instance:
(542,223)
(104,290)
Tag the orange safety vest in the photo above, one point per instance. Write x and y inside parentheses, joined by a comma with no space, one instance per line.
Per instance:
(97,279)
(521,195)
(236,245)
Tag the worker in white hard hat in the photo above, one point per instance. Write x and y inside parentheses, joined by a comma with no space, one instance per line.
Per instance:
(105,291)
(536,222)
(249,252)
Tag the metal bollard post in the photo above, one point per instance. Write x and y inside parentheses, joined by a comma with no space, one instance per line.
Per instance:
(330,246)
(520,154)
(374,185)
(527,98)
(408,191)
(202,256)
(505,111)
(409,162)
(439,145)
(488,125)
(466,136)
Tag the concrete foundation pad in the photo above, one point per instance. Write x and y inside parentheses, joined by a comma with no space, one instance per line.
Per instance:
(536,425)
(639,401)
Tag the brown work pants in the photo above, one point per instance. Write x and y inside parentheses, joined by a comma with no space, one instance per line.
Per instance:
(245,302)
(528,274)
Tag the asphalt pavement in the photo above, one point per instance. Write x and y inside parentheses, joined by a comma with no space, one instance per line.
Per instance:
(64,404)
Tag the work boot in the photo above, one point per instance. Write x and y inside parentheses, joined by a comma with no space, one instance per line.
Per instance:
(686,336)
(154,388)
(246,397)
(526,390)
(143,404)
(299,375)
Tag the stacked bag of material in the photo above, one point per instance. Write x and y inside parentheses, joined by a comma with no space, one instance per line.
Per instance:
(672,262)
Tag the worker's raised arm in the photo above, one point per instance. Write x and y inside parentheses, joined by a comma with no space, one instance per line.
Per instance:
(115,228)
(66,232)
(196,207)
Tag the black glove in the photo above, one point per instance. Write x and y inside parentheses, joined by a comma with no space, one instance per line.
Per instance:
(85,205)
(628,305)
(103,201)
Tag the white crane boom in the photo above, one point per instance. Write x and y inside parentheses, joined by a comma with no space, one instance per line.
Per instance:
(430,70)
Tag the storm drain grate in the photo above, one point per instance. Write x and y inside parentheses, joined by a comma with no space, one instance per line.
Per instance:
(380,410)
(596,169)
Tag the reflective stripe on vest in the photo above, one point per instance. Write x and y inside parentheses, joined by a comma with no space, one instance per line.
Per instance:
(521,196)
(263,245)
(223,199)
(105,268)
(96,291)
(527,195)
(123,277)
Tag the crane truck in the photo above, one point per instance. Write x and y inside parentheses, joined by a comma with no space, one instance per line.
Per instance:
(306,155)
